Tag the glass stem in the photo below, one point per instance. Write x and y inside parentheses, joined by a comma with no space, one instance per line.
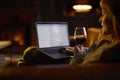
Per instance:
(80,48)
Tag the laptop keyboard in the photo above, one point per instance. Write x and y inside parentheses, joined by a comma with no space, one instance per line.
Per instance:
(51,51)
(56,54)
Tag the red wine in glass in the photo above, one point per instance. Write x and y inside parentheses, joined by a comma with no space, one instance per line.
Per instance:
(80,40)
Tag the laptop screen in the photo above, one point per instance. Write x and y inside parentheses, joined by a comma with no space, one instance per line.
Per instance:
(52,34)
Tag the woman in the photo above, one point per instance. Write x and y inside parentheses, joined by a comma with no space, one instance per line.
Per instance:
(107,49)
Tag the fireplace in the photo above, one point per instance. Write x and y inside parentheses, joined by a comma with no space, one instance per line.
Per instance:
(18,32)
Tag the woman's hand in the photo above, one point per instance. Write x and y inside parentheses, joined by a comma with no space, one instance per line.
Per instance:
(77,55)
(78,50)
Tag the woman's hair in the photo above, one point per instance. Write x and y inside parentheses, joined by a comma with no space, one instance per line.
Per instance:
(114,9)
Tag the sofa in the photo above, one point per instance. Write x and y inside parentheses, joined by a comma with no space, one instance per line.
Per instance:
(95,71)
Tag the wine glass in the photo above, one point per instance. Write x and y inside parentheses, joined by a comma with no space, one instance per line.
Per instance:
(80,36)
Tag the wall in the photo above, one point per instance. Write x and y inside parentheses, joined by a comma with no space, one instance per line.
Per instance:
(42,10)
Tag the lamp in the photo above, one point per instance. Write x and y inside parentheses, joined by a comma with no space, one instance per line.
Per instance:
(82,6)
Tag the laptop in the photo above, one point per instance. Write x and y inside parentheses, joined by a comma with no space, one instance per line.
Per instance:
(53,36)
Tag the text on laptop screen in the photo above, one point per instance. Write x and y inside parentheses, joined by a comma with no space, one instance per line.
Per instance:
(52,34)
